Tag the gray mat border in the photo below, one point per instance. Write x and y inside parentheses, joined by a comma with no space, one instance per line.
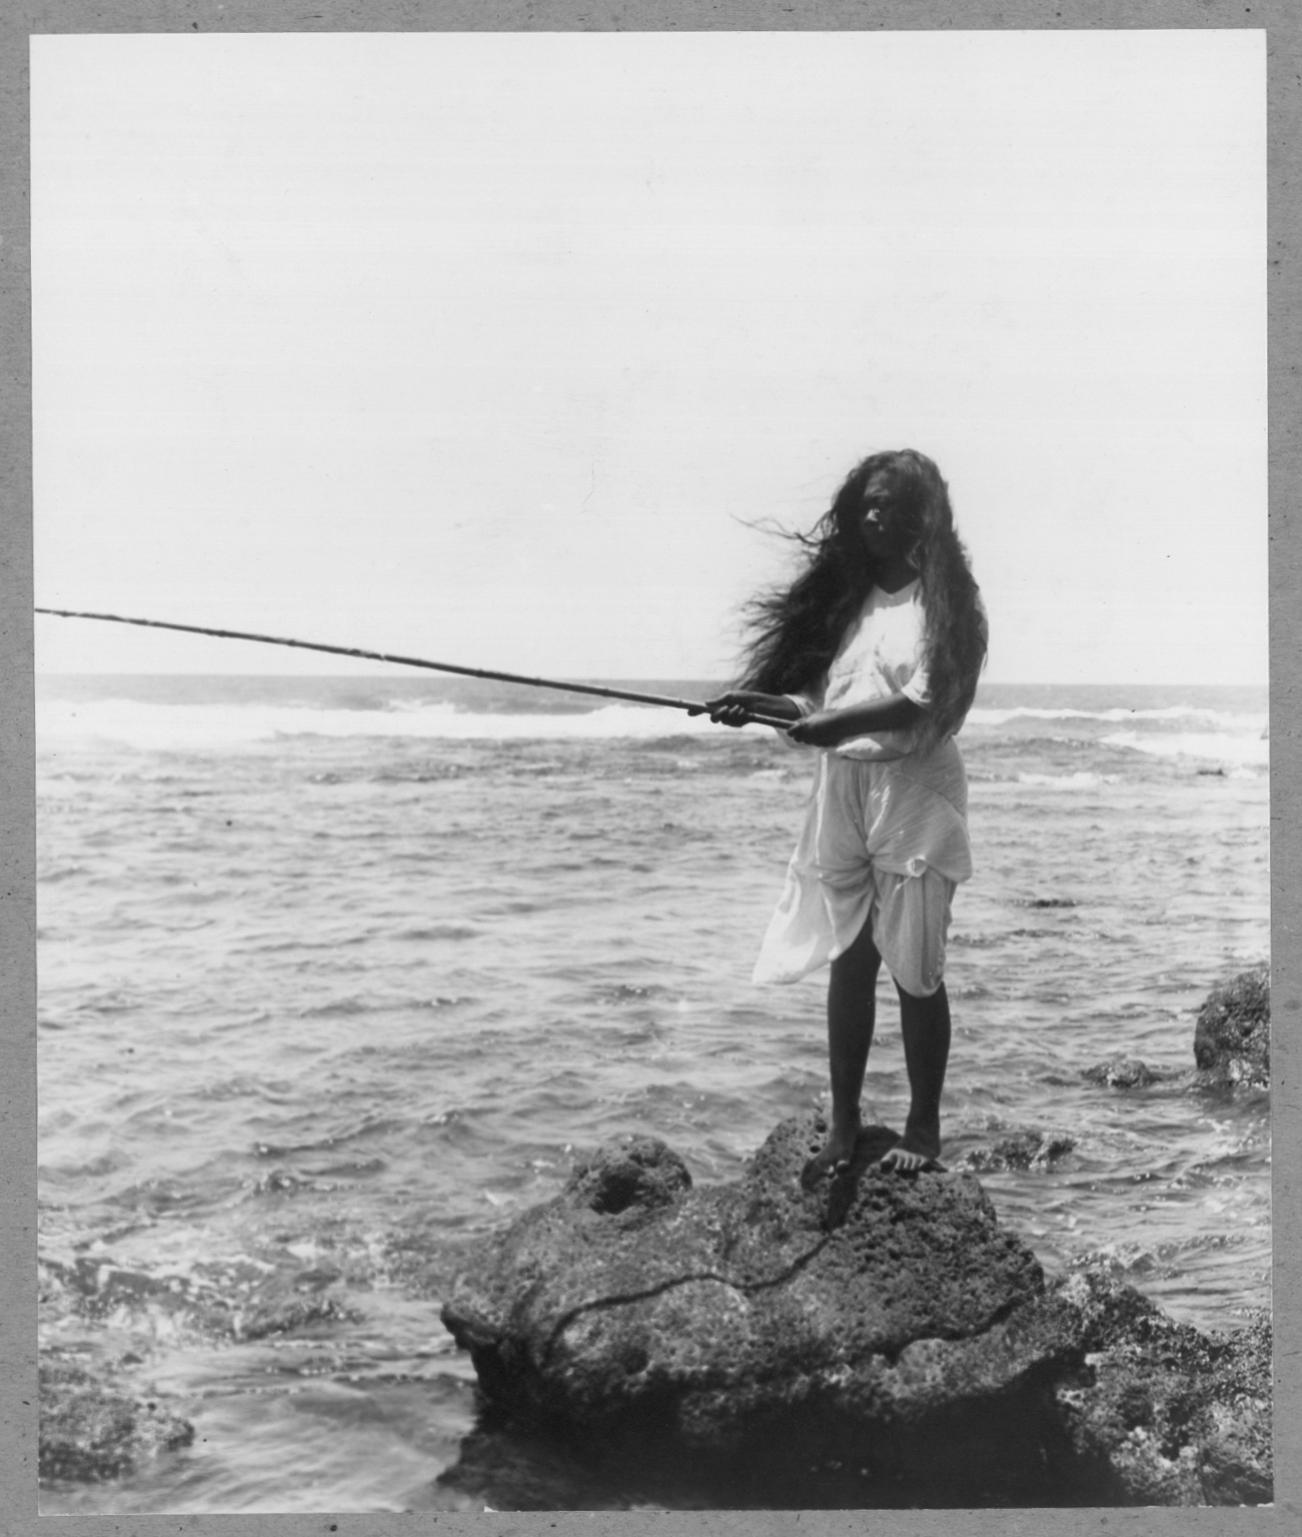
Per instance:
(1281,20)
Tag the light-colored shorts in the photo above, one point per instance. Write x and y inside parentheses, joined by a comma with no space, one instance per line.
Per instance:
(910,927)
(879,845)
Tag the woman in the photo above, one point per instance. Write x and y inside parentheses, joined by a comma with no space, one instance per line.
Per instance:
(873,653)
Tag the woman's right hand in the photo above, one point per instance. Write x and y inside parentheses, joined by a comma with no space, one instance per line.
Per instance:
(740,706)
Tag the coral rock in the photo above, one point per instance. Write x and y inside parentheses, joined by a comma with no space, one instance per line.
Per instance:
(914,1346)
(92,1431)
(1232,1036)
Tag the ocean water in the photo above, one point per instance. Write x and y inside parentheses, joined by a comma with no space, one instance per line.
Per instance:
(338,973)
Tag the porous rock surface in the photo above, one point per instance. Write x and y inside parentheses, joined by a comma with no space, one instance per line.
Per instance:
(1168,1415)
(95,1422)
(1232,1034)
(916,1341)
(90,1430)
(1231,1044)
(1121,1072)
(1020,1150)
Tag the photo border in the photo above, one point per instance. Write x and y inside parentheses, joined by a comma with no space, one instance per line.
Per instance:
(1281,21)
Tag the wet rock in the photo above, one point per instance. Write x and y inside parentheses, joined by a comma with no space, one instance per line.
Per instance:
(1121,1073)
(729,1320)
(90,1430)
(238,1300)
(1168,1415)
(730,1330)
(99,1286)
(639,1175)
(1022,1150)
(289,1310)
(1232,1035)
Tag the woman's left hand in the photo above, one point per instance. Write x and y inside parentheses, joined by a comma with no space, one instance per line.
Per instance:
(824,728)
(740,706)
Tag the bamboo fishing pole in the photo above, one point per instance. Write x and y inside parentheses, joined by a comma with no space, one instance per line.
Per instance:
(692,706)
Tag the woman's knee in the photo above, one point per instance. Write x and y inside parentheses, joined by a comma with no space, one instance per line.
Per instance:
(919,990)
(861,960)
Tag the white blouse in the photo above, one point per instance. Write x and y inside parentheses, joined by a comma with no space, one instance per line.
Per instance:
(880,654)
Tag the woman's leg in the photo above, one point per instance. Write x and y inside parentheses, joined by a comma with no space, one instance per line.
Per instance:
(851,1013)
(925,1025)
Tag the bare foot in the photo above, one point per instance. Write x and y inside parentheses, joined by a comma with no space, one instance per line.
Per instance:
(910,1156)
(841,1191)
(833,1157)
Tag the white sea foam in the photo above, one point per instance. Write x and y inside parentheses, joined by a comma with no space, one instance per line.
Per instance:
(182,727)
(1082,780)
(1226,737)
(1247,722)
(1219,747)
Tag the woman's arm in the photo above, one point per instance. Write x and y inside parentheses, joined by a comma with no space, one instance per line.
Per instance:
(829,728)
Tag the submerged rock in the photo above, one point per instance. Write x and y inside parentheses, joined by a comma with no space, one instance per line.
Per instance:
(1232,1036)
(241,1300)
(1020,1150)
(93,1423)
(89,1430)
(1121,1073)
(1231,1041)
(729,1329)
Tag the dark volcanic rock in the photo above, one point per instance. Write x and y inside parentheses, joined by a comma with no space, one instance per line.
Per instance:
(1231,1041)
(915,1346)
(729,1318)
(239,1301)
(1168,1415)
(1121,1073)
(1232,1036)
(1020,1150)
(642,1173)
(91,1431)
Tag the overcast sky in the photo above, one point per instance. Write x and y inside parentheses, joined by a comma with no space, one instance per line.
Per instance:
(487,347)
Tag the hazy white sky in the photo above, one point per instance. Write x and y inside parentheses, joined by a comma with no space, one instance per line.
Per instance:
(482,346)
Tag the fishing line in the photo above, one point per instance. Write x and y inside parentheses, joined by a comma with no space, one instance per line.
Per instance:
(692,706)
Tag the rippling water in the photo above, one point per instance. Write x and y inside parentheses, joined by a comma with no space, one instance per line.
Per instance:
(336,974)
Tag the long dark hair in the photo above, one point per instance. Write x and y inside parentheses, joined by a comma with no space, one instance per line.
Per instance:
(796,629)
